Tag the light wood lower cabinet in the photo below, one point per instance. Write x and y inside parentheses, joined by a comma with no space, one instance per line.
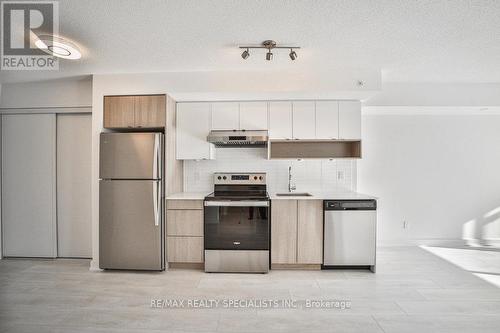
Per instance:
(310,232)
(284,231)
(296,231)
(184,249)
(185,231)
(185,222)
(185,204)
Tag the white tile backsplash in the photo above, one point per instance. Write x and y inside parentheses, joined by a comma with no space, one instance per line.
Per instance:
(308,175)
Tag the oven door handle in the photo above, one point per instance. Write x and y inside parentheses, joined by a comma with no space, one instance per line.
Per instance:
(236,203)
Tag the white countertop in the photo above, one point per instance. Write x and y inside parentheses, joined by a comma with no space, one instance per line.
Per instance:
(315,196)
(324,196)
(188,196)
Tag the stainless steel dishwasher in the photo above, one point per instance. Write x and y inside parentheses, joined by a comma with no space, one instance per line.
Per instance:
(350,232)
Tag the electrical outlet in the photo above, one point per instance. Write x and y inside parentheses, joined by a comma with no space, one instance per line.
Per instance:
(405,224)
(340,175)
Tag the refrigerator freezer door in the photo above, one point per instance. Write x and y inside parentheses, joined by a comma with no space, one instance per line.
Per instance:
(130,155)
(130,225)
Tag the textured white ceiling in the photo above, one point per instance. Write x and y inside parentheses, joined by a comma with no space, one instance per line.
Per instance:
(414,41)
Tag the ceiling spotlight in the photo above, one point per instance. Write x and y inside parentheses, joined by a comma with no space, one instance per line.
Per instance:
(269,45)
(269,56)
(245,54)
(58,47)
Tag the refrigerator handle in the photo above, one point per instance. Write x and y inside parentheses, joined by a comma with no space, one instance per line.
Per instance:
(156,156)
(156,203)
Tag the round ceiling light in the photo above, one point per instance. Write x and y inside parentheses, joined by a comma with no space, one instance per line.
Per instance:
(58,47)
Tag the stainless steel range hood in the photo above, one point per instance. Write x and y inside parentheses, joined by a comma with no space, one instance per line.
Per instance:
(238,138)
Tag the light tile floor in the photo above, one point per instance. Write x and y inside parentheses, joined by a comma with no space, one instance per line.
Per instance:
(428,289)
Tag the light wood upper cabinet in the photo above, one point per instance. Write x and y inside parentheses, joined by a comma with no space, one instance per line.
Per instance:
(304,124)
(146,111)
(280,120)
(349,120)
(327,120)
(225,116)
(284,231)
(253,116)
(119,112)
(310,231)
(193,126)
(149,111)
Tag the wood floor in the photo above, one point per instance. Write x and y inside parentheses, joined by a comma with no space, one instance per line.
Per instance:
(415,290)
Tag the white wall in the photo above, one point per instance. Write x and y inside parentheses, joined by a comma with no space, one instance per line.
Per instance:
(437,172)
(307,175)
(60,93)
(248,85)
(436,94)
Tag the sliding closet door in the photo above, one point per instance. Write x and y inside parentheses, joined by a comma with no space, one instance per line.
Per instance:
(29,185)
(74,144)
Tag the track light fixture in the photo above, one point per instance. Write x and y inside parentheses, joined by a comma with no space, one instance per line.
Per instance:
(269,55)
(269,45)
(245,54)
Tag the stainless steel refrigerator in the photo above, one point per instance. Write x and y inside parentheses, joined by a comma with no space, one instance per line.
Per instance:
(131,219)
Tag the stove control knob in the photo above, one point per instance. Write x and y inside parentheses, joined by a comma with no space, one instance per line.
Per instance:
(219,178)
(224,177)
(260,177)
(255,177)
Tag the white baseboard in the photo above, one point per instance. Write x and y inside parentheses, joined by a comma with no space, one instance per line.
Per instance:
(417,242)
(94,266)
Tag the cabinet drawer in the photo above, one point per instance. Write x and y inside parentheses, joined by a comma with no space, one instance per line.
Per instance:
(184,204)
(185,222)
(185,249)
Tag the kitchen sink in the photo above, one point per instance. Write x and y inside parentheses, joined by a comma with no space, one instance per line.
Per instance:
(294,194)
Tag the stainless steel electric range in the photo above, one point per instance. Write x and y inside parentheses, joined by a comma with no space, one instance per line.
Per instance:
(237,224)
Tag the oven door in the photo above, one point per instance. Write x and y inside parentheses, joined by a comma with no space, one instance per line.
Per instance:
(236,225)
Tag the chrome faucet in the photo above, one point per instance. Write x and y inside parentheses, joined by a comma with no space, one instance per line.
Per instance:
(291,187)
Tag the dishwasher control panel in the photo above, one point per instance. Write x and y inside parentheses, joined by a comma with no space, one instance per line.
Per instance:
(350,204)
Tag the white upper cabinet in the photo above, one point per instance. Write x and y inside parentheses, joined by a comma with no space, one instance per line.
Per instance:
(280,120)
(327,120)
(193,126)
(225,116)
(303,120)
(349,120)
(253,116)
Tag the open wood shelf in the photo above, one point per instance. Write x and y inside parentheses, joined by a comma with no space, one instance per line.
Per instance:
(305,149)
